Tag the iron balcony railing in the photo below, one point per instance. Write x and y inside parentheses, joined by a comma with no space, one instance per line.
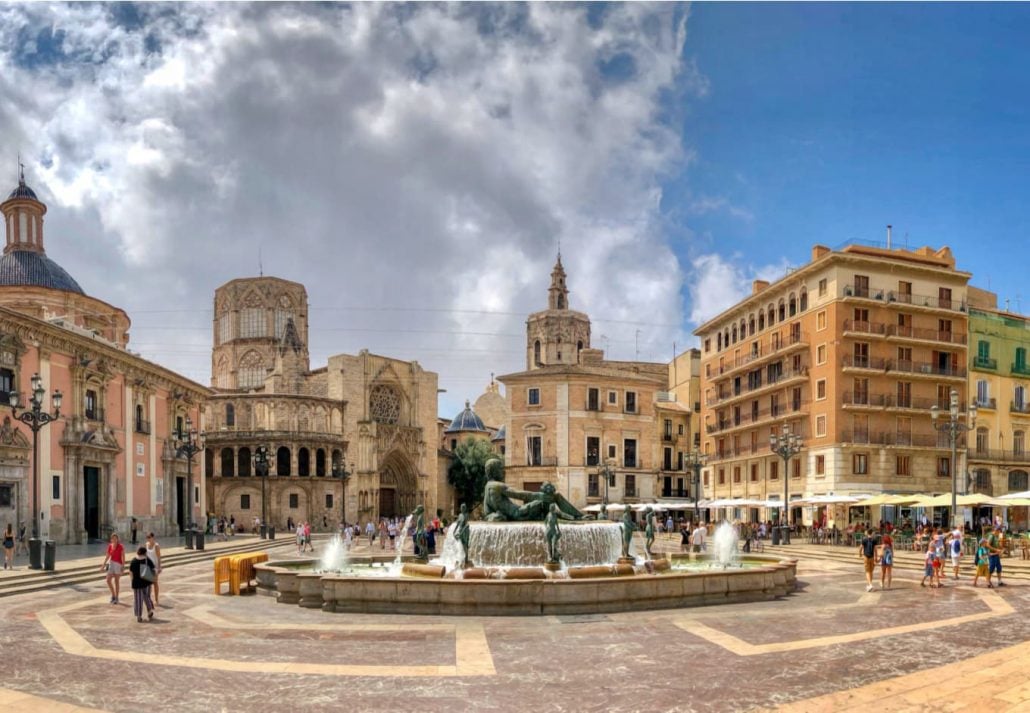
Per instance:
(850,361)
(982,362)
(926,335)
(871,328)
(1020,368)
(986,403)
(863,398)
(765,349)
(770,380)
(924,367)
(1016,407)
(1020,455)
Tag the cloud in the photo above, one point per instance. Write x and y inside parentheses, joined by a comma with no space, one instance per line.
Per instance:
(719,283)
(415,166)
(702,205)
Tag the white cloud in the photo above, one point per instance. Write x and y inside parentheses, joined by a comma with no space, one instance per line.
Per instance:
(719,283)
(412,165)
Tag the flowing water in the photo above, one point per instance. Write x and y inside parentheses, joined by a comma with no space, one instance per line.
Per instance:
(397,563)
(725,543)
(524,544)
(334,556)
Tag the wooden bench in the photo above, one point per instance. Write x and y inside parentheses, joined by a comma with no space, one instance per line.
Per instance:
(241,570)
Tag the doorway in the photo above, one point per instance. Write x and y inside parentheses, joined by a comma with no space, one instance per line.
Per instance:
(180,503)
(91,502)
(387,502)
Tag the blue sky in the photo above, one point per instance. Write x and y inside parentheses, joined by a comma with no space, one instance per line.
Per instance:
(823,123)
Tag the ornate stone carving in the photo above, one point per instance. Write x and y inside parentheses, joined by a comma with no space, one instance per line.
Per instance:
(384,405)
(12,436)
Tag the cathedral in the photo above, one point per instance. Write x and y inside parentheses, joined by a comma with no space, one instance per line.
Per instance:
(354,440)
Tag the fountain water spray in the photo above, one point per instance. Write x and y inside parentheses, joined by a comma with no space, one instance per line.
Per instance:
(397,562)
(725,543)
(335,556)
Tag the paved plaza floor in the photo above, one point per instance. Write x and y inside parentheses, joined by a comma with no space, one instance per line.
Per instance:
(831,646)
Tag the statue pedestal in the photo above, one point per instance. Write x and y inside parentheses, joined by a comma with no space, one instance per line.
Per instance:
(552,566)
(627,560)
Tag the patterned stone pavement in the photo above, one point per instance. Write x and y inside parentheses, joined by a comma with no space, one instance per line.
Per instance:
(830,646)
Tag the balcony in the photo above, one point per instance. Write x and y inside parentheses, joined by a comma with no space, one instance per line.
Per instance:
(668,437)
(991,404)
(549,461)
(863,362)
(630,491)
(675,493)
(995,455)
(780,379)
(766,350)
(890,438)
(751,418)
(926,301)
(142,426)
(1020,368)
(864,399)
(925,368)
(593,489)
(862,293)
(982,362)
(864,329)
(1022,408)
(916,403)
(94,414)
(918,334)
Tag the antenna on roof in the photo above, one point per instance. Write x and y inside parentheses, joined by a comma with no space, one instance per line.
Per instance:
(261,267)
(21,169)
(888,236)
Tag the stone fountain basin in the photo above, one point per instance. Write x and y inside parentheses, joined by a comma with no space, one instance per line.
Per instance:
(765,577)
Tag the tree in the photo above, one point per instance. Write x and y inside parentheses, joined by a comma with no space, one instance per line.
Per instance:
(468,473)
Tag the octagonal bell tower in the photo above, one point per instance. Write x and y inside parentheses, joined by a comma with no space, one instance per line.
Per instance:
(558,334)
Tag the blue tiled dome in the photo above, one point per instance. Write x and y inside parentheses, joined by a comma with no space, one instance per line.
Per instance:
(24,267)
(467,420)
(499,436)
(22,191)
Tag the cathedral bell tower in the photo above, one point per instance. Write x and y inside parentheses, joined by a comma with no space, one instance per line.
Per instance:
(558,334)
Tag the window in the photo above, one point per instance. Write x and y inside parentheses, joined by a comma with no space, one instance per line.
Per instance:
(706,478)
(533,397)
(820,389)
(228,463)
(774,470)
(304,462)
(245,502)
(141,425)
(6,496)
(282,316)
(822,287)
(943,467)
(860,463)
(902,465)
(708,345)
(92,409)
(904,393)
(251,371)
(536,352)
(820,320)
(681,429)
(533,450)
(944,297)
(282,461)
(631,402)
(230,415)
(820,426)
(611,450)
(820,354)
(754,472)
(795,468)
(982,392)
(593,485)
(1019,398)
(666,459)
(252,322)
(6,384)
(982,440)
(593,450)
(593,400)
(803,301)
(629,452)
(631,486)
(861,285)
(1017,481)
(1018,445)
(328,501)
(820,465)
(224,328)
(904,292)
(736,474)
(55,487)
(294,501)
(1020,363)
(795,401)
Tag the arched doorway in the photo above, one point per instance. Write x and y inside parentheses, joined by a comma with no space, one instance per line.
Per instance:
(398,486)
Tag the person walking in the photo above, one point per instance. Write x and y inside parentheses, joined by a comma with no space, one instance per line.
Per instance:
(22,547)
(994,558)
(981,560)
(867,549)
(134,529)
(886,560)
(141,585)
(114,565)
(307,536)
(9,547)
(370,532)
(154,555)
(954,547)
(697,540)
(300,538)
(382,534)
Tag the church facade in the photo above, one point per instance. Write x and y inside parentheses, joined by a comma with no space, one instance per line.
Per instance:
(354,440)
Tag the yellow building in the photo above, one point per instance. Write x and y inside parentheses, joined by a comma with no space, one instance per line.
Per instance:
(850,351)
(571,412)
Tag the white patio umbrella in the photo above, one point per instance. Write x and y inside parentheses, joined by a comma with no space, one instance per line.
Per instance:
(1015,496)
(827,499)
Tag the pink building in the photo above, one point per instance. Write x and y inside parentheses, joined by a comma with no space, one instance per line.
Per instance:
(110,456)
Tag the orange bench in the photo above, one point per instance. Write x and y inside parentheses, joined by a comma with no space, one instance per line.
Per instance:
(222,573)
(241,570)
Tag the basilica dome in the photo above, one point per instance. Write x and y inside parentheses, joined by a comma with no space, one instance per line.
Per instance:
(467,420)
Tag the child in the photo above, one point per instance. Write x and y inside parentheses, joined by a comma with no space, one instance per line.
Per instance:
(981,563)
(928,569)
(886,562)
(140,586)
(938,562)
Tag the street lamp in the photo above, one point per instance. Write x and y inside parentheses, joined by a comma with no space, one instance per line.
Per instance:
(261,468)
(188,443)
(696,460)
(609,474)
(35,418)
(954,428)
(340,471)
(786,446)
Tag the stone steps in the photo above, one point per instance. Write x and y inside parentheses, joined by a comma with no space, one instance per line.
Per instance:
(36,580)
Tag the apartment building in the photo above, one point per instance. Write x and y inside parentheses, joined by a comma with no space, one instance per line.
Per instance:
(677,411)
(850,351)
(999,382)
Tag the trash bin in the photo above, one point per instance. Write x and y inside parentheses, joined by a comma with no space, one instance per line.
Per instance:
(264,532)
(271,533)
(785,537)
(35,553)
(49,555)
(189,539)
(198,539)
(776,536)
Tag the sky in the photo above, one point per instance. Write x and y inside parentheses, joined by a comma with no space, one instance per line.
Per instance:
(416,167)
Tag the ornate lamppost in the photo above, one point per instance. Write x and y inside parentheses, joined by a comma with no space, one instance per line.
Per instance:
(786,446)
(340,471)
(261,468)
(188,443)
(609,474)
(35,418)
(696,460)
(954,427)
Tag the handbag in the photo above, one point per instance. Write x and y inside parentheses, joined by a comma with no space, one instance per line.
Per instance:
(146,572)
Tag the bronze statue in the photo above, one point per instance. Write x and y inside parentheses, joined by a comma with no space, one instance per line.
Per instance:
(602,514)
(649,530)
(494,469)
(627,532)
(498,505)
(461,531)
(421,548)
(553,535)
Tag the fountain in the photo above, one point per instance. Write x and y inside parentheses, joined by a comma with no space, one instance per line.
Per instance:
(516,562)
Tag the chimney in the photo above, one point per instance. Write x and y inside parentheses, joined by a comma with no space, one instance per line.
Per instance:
(888,237)
(758,285)
(818,251)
